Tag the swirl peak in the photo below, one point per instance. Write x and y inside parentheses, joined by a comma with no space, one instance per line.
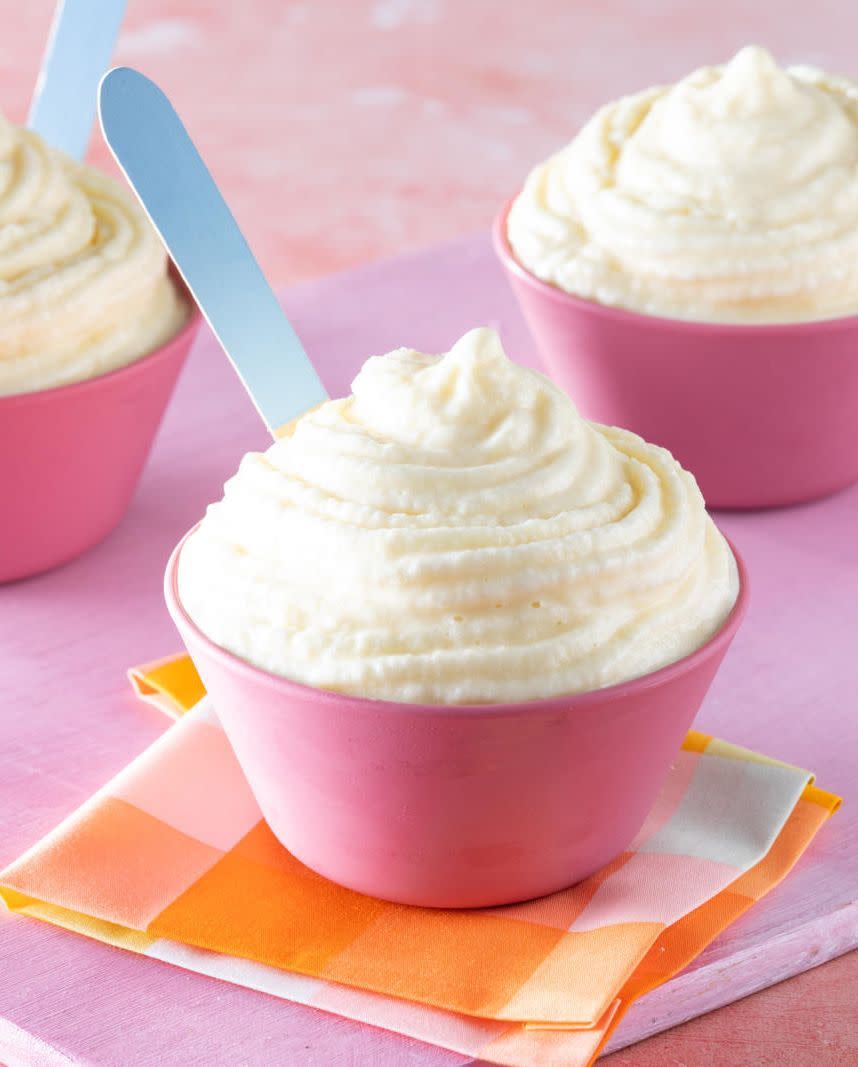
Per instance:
(472,537)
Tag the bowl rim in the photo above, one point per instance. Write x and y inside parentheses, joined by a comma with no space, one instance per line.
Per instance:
(139,364)
(641,319)
(715,645)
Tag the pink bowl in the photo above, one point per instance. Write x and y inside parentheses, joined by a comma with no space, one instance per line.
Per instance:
(763,415)
(453,806)
(70,457)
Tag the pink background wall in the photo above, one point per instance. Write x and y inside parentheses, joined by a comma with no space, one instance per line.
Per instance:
(348,129)
(344,131)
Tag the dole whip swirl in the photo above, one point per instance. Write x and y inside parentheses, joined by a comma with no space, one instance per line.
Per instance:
(83,276)
(455,532)
(732,196)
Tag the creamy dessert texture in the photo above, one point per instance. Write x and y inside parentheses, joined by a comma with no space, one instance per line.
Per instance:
(732,196)
(83,277)
(455,532)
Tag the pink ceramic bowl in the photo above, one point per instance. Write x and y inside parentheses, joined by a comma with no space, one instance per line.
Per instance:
(763,415)
(70,457)
(453,806)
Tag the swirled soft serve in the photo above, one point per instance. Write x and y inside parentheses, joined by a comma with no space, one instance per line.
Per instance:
(455,532)
(731,196)
(83,277)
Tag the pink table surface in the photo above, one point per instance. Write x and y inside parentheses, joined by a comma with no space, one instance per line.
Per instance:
(69,720)
(343,130)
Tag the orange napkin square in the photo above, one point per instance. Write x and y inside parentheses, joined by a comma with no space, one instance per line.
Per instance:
(173,860)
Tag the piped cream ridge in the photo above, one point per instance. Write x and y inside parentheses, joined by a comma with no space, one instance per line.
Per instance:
(729,197)
(83,276)
(455,532)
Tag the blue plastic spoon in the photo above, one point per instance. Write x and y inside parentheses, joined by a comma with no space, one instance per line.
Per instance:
(77,54)
(179,195)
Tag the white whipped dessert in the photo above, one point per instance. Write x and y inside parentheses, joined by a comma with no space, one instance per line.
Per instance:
(729,197)
(455,532)
(83,276)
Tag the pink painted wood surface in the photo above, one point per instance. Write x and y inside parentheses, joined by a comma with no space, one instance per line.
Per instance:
(69,720)
(343,131)
(809,1020)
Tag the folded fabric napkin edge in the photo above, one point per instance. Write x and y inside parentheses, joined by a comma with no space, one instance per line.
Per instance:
(172,685)
(543,1045)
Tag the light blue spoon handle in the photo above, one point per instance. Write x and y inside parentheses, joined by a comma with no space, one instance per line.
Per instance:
(174,186)
(77,54)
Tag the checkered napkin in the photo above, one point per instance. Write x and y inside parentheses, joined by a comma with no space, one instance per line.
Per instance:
(172,859)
